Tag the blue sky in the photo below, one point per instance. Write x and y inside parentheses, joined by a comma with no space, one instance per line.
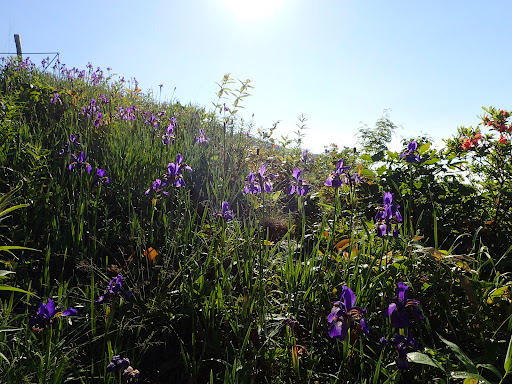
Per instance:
(340,63)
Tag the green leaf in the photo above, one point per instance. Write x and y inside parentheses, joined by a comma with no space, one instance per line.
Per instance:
(432,161)
(421,358)
(10,209)
(497,294)
(392,155)
(491,368)
(5,358)
(468,375)
(424,148)
(366,157)
(4,287)
(460,355)
(508,358)
(367,172)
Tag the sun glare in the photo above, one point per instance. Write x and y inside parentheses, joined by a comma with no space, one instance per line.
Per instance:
(252,9)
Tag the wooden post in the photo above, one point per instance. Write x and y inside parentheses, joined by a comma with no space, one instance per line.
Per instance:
(18,46)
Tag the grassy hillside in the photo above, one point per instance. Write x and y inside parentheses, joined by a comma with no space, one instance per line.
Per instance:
(167,243)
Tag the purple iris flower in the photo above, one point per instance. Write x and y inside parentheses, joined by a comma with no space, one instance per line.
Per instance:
(55,99)
(337,177)
(101,175)
(169,136)
(202,137)
(174,172)
(255,183)
(411,154)
(306,157)
(80,162)
(157,187)
(47,313)
(251,185)
(117,364)
(388,216)
(226,214)
(113,288)
(401,307)
(343,313)
(401,343)
(298,185)
(73,141)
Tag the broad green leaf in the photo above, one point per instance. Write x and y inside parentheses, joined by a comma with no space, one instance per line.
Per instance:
(468,375)
(497,294)
(460,355)
(432,161)
(392,155)
(424,148)
(366,157)
(421,358)
(381,170)
(491,368)
(367,172)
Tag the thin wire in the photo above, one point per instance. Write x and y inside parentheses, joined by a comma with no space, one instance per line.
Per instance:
(30,53)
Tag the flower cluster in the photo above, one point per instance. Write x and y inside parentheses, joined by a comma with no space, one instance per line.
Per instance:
(342,176)
(174,172)
(47,313)
(306,157)
(343,313)
(255,183)
(400,311)
(499,123)
(202,137)
(113,289)
(339,176)
(169,136)
(471,142)
(118,364)
(388,217)
(411,154)
(151,119)
(128,113)
(298,185)
(174,176)
(226,213)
